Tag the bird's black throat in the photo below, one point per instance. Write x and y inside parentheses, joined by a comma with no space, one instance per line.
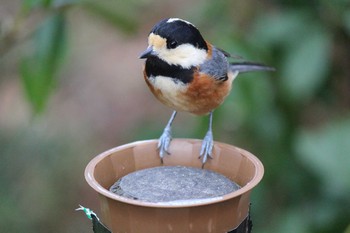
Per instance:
(157,67)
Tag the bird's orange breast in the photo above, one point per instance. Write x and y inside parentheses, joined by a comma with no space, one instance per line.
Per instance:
(200,96)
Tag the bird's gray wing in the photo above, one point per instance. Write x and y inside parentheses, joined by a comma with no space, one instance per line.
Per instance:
(217,66)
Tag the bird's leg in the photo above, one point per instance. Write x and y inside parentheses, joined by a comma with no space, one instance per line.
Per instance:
(208,142)
(165,138)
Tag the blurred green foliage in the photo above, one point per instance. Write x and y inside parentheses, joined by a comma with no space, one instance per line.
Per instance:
(40,66)
(296,120)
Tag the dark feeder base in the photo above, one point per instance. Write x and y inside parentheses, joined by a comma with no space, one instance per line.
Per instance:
(228,212)
(244,227)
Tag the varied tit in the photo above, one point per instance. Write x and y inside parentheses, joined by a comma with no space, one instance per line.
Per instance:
(188,74)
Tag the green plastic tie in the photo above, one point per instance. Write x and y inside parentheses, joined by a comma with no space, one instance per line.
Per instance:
(88,212)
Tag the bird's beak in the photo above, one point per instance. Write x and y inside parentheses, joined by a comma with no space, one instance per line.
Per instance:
(147,53)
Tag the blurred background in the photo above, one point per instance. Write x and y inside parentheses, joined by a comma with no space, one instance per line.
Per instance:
(71,87)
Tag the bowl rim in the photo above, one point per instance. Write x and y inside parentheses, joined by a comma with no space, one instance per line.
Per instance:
(90,179)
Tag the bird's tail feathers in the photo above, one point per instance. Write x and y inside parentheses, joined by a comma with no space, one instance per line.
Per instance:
(242,67)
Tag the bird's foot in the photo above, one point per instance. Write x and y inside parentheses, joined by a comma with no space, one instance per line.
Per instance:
(207,147)
(164,142)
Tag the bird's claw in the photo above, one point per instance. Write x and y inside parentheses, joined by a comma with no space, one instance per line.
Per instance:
(207,147)
(164,142)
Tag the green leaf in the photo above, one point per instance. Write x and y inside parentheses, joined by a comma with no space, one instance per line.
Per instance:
(39,69)
(306,65)
(326,152)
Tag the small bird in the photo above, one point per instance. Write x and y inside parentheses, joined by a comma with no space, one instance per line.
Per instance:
(188,74)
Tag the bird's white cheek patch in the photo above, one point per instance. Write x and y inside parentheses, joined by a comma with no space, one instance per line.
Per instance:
(185,55)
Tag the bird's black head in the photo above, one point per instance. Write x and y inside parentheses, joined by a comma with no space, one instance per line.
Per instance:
(176,42)
(177,32)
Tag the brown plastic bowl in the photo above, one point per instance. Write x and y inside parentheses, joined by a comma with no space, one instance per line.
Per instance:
(220,215)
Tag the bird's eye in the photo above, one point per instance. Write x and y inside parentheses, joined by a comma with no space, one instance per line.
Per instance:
(172,44)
